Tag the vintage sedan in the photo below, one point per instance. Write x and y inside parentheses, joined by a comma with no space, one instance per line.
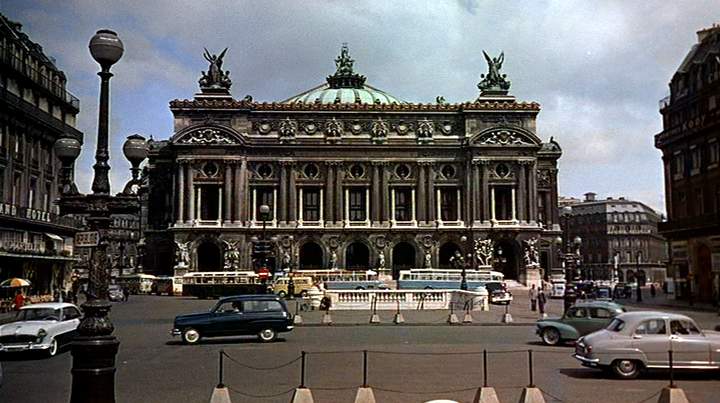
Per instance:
(635,341)
(264,315)
(45,327)
(582,318)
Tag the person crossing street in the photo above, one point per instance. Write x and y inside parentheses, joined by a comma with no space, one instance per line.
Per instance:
(533,294)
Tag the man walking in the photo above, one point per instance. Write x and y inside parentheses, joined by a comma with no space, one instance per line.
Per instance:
(533,294)
(541,300)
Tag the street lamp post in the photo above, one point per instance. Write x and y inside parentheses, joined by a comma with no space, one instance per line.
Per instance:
(94,348)
(578,257)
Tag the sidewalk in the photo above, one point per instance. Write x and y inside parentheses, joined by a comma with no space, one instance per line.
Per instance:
(666,301)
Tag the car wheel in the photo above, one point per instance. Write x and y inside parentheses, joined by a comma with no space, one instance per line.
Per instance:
(267,335)
(550,336)
(191,336)
(304,294)
(281,294)
(626,369)
(359,288)
(54,347)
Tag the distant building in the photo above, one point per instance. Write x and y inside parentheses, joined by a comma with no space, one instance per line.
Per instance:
(690,143)
(35,110)
(616,234)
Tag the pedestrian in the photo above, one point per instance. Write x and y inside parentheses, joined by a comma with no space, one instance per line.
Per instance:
(653,291)
(126,293)
(541,299)
(19,300)
(533,294)
(639,292)
(569,298)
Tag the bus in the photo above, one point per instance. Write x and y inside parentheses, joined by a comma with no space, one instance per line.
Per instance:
(345,279)
(439,279)
(164,285)
(138,283)
(222,284)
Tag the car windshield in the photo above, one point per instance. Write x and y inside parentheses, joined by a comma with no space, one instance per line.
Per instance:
(38,314)
(113,287)
(493,286)
(616,325)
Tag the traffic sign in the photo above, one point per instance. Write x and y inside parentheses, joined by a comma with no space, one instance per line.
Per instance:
(87,238)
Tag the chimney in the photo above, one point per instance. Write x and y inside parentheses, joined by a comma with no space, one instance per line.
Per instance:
(590,196)
(621,198)
(704,33)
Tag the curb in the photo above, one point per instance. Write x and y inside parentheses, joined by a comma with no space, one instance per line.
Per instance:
(493,324)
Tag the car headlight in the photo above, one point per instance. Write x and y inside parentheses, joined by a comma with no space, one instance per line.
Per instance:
(41,335)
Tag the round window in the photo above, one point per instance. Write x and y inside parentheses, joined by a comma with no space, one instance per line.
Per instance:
(265,170)
(448,171)
(210,169)
(402,171)
(502,170)
(311,171)
(357,171)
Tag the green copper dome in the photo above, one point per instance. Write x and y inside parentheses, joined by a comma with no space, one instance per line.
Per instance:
(344,87)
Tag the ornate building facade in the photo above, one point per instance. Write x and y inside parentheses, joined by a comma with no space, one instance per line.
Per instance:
(353,177)
(35,110)
(690,144)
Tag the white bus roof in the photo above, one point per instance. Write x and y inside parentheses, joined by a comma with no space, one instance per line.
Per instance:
(220,273)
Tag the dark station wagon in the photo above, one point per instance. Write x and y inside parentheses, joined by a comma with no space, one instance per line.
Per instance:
(262,315)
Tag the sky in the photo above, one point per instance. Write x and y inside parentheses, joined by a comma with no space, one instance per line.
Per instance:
(598,68)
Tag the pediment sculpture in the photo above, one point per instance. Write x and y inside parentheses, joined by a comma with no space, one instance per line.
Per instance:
(207,136)
(504,137)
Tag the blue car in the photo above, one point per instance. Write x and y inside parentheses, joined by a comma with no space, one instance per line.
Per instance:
(264,315)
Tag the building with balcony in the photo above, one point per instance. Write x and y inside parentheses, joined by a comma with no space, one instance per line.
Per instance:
(616,235)
(354,178)
(690,144)
(35,110)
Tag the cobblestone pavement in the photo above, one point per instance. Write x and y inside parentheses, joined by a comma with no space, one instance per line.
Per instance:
(406,363)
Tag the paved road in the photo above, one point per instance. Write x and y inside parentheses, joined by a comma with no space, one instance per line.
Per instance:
(152,367)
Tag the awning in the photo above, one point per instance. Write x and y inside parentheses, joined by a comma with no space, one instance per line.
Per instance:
(43,257)
(54,237)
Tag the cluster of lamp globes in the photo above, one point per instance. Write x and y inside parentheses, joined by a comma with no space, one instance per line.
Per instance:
(106,48)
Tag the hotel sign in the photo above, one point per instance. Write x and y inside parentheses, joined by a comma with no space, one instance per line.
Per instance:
(26,213)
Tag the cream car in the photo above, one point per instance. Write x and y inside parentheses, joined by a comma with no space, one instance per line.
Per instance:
(635,341)
(44,327)
(300,284)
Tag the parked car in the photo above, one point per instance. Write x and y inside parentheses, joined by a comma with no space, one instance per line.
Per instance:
(581,319)
(45,327)
(498,293)
(115,293)
(264,315)
(301,285)
(635,341)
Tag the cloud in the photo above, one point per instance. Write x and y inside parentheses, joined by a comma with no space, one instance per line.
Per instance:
(597,68)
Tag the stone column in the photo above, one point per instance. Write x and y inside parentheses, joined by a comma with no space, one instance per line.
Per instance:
(227,194)
(533,192)
(431,216)
(376,192)
(245,191)
(474,194)
(521,202)
(238,203)
(467,184)
(329,188)
(292,195)
(191,193)
(554,197)
(387,204)
(486,196)
(421,200)
(282,208)
(181,192)
(338,193)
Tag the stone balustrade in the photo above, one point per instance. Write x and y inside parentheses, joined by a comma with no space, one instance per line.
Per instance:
(406,299)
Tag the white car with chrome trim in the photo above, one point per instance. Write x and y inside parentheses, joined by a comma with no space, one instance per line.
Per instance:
(635,341)
(44,327)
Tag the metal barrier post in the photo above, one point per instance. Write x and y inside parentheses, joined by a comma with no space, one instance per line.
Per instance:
(530,369)
(302,370)
(485,373)
(672,372)
(220,374)
(365,384)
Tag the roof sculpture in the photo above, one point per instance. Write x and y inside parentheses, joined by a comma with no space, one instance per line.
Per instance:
(494,83)
(215,80)
(344,87)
